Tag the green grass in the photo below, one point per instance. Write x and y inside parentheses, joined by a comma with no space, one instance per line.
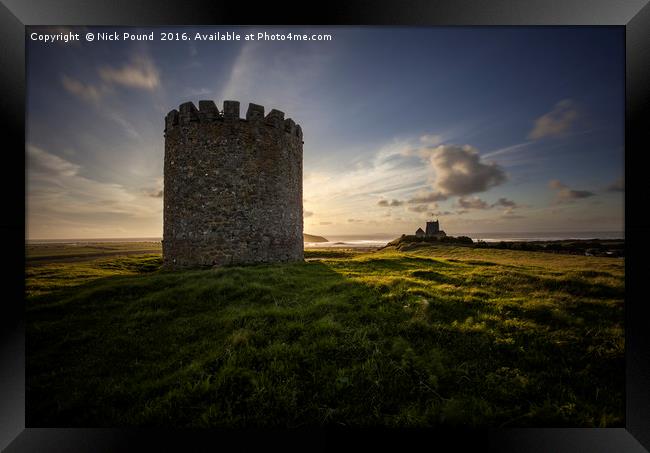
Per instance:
(439,336)
(52,251)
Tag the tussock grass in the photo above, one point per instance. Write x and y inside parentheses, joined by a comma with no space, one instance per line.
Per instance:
(439,336)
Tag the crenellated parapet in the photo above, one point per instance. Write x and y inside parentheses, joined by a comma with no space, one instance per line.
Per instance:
(233,186)
(208,112)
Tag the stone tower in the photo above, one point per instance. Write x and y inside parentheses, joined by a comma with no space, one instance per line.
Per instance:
(233,186)
(433,228)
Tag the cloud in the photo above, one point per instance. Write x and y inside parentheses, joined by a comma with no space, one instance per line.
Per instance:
(472,203)
(307,214)
(156,191)
(427,197)
(565,194)
(512,216)
(338,194)
(507,150)
(572,194)
(617,186)
(158,194)
(384,181)
(467,203)
(459,170)
(441,213)
(87,92)
(139,73)
(355,221)
(118,117)
(504,202)
(419,208)
(390,203)
(399,161)
(555,123)
(325,223)
(62,201)
(42,162)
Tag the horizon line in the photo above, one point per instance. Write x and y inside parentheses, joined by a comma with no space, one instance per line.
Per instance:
(159,238)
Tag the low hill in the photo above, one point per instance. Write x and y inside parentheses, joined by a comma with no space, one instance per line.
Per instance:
(411,242)
(589,247)
(313,238)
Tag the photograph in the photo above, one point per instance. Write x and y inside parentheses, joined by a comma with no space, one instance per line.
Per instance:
(325,227)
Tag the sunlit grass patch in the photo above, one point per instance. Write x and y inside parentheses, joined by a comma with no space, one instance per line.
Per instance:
(437,336)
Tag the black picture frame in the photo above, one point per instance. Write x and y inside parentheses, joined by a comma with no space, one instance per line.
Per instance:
(634,15)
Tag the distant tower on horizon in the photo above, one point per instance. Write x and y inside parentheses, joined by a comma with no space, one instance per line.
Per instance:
(433,228)
(432,231)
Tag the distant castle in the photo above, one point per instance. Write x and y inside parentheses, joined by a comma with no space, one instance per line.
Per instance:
(433,230)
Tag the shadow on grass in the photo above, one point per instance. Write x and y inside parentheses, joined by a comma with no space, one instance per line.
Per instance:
(298,344)
(437,277)
(256,345)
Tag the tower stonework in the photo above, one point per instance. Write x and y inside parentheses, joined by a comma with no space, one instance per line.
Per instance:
(232,186)
(433,228)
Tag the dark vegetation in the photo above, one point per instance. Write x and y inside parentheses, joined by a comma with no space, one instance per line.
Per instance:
(586,247)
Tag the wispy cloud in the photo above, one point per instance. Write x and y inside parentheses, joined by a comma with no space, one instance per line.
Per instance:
(278,79)
(510,216)
(118,117)
(383,176)
(418,208)
(197,92)
(507,150)
(140,72)
(85,91)
(557,122)
(58,192)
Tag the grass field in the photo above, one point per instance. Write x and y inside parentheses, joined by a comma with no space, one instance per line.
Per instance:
(39,253)
(441,335)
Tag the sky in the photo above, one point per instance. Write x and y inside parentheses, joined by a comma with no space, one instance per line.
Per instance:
(487,129)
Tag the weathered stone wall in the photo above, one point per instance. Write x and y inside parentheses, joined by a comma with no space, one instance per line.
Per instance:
(233,187)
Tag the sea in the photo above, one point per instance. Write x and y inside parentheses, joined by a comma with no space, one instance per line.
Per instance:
(379,240)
